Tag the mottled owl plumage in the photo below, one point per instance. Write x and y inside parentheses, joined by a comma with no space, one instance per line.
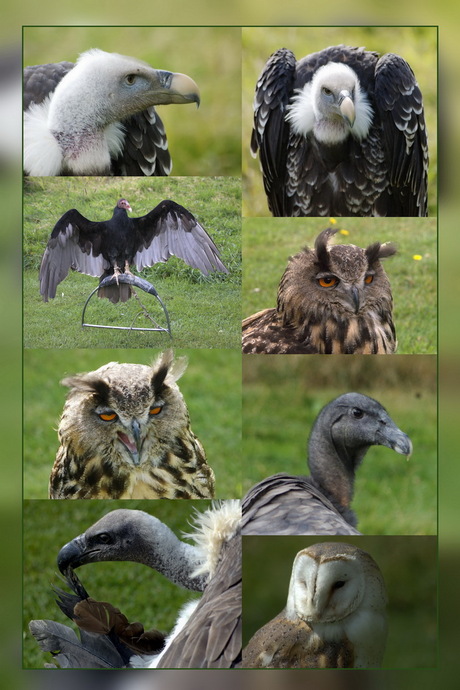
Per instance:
(331,300)
(125,433)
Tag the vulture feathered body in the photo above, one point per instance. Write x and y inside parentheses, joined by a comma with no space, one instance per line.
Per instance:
(97,116)
(341,132)
(321,504)
(104,248)
(208,633)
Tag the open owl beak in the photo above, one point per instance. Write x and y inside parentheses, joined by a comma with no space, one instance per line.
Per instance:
(133,441)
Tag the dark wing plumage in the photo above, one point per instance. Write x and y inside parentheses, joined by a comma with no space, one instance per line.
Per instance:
(384,174)
(212,637)
(287,504)
(41,80)
(171,230)
(76,243)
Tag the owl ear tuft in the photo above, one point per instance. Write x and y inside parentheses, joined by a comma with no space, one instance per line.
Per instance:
(168,369)
(379,251)
(88,383)
(321,243)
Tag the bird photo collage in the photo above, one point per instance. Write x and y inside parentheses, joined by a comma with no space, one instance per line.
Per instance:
(195,199)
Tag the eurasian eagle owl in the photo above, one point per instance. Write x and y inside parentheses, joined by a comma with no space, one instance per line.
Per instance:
(331,300)
(125,433)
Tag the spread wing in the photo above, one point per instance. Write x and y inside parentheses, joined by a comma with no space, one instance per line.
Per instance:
(212,637)
(170,230)
(399,102)
(74,243)
(285,504)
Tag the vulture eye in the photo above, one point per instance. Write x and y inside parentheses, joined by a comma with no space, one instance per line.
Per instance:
(357,413)
(155,410)
(130,78)
(328,281)
(327,91)
(108,416)
(369,279)
(105,538)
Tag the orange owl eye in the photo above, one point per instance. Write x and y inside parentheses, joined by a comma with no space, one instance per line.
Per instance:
(328,281)
(369,279)
(108,416)
(156,410)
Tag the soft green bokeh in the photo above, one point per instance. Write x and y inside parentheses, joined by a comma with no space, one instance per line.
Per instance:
(204,310)
(211,387)
(268,243)
(282,397)
(417,45)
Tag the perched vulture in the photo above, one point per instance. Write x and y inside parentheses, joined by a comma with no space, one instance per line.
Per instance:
(96,117)
(341,132)
(331,300)
(105,248)
(208,632)
(320,504)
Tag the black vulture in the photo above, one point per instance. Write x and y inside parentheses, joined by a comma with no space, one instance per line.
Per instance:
(331,300)
(208,631)
(341,132)
(96,117)
(105,248)
(320,504)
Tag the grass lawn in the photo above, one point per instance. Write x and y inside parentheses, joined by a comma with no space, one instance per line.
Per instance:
(138,591)
(211,387)
(204,311)
(417,45)
(268,243)
(282,397)
(409,568)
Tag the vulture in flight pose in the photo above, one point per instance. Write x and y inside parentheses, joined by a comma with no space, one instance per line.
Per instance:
(341,132)
(331,300)
(208,632)
(105,248)
(96,117)
(320,504)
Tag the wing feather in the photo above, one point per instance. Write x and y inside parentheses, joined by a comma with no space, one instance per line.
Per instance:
(76,243)
(171,230)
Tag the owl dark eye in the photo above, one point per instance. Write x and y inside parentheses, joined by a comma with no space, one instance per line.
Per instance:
(369,279)
(328,281)
(155,410)
(108,416)
(338,584)
(357,413)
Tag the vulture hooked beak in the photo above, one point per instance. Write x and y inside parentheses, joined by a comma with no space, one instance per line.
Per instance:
(391,436)
(70,556)
(347,107)
(175,87)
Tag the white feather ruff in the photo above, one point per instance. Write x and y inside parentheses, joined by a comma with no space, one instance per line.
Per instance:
(212,528)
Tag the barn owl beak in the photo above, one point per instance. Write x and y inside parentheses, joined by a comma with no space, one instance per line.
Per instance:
(347,107)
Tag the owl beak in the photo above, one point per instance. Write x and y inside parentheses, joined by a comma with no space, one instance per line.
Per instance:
(354,299)
(133,442)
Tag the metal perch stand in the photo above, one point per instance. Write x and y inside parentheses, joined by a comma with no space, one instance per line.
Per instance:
(142,285)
